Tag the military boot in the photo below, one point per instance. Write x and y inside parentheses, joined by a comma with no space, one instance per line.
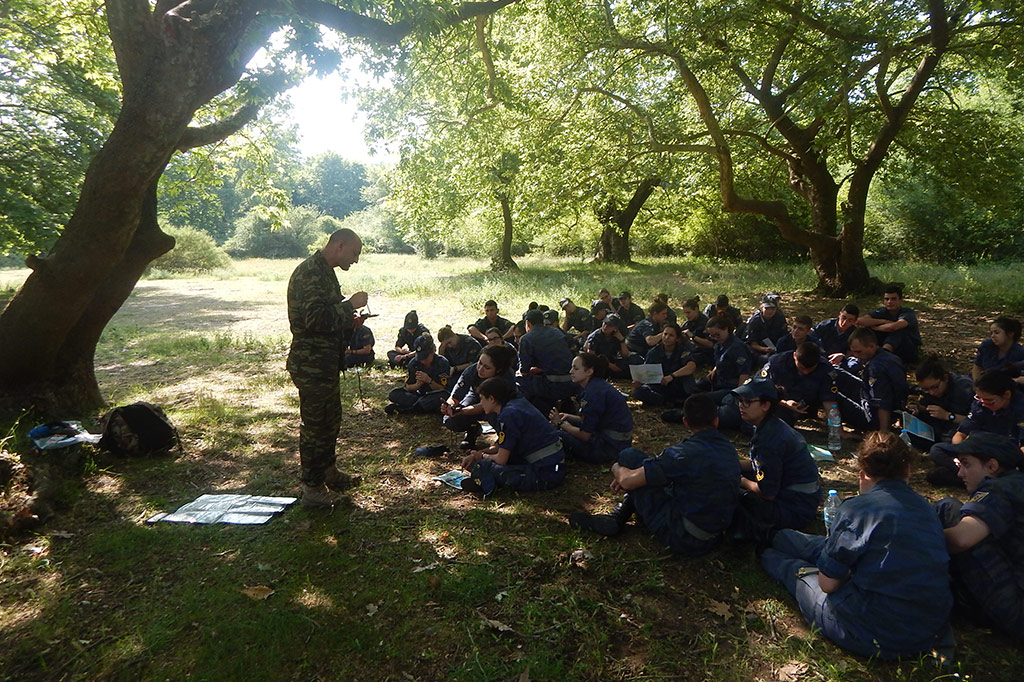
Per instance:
(338,480)
(605,524)
(318,496)
(472,433)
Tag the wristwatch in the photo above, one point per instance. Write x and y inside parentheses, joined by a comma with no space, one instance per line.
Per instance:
(952,417)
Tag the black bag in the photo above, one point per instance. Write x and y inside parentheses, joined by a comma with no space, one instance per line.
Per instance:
(138,430)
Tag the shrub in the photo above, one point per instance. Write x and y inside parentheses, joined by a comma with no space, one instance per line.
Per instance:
(376,226)
(299,234)
(194,252)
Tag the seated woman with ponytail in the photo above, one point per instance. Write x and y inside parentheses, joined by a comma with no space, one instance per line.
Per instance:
(604,425)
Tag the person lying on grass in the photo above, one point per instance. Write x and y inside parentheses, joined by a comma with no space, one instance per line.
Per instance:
(528,455)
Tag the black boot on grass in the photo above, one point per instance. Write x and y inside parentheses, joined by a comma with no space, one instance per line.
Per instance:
(605,524)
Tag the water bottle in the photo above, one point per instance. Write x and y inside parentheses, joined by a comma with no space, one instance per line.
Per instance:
(835,428)
(831,507)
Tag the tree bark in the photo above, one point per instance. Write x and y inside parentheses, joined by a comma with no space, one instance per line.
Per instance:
(49,329)
(613,246)
(504,261)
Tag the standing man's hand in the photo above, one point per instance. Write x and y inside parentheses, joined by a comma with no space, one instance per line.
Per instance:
(358,299)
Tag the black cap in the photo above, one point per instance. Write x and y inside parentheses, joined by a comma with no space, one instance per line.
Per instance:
(612,318)
(598,305)
(423,346)
(550,317)
(985,445)
(534,317)
(564,302)
(626,294)
(412,320)
(754,390)
(771,300)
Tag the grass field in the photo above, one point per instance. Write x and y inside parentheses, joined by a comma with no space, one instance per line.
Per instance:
(413,581)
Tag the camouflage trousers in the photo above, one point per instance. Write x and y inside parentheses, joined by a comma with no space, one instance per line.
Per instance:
(320,414)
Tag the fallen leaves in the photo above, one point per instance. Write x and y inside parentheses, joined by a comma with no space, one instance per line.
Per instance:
(791,672)
(257,592)
(719,609)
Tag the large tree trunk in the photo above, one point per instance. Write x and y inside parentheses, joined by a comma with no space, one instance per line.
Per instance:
(49,329)
(504,261)
(613,246)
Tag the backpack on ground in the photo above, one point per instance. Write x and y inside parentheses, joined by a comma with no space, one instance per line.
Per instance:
(138,430)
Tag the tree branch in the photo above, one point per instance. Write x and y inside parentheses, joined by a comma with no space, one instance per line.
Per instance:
(215,132)
(485,52)
(357,25)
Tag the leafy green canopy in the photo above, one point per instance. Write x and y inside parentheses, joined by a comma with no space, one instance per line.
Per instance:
(58,99)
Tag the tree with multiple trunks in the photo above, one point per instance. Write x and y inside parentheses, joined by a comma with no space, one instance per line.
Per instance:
(820,90)
(173,59)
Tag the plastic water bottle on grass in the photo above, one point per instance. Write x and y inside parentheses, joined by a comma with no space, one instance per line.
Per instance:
(832,503)
(835,429)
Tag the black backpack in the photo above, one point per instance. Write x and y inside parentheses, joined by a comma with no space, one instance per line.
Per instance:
(138,430)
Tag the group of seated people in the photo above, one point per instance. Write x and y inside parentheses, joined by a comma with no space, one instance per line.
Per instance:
(542,383)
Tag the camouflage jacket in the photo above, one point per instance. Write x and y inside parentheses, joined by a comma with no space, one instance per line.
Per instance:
(319,319)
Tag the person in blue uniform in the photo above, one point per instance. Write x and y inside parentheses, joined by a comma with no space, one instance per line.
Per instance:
(629,312)
(894,324)
(686,496)
(985,536)
(598,311)
(490,319)
(604,425)
(677,366)
(360,344)
(733,362)
(694,330)
(427,385)
(946,399)
(872,386)
(407,335)
(609,342)
(804,380)
(461,350)
(779,485)
(1002,349)
(833,334)
(721,306)
(462,410)
(766,327)
(646,334)
(877,586)
(528,455)
(671,315)
(997,408)
(544,362)
(576,319)
(799,332)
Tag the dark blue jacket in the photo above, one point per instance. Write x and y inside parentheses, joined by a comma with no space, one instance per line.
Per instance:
(523,430)
(830,338)
(887,545)
(547,348)
(732,359)
(785,470)
(815,389)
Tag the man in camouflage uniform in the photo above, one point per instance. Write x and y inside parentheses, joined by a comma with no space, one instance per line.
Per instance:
(320,318)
